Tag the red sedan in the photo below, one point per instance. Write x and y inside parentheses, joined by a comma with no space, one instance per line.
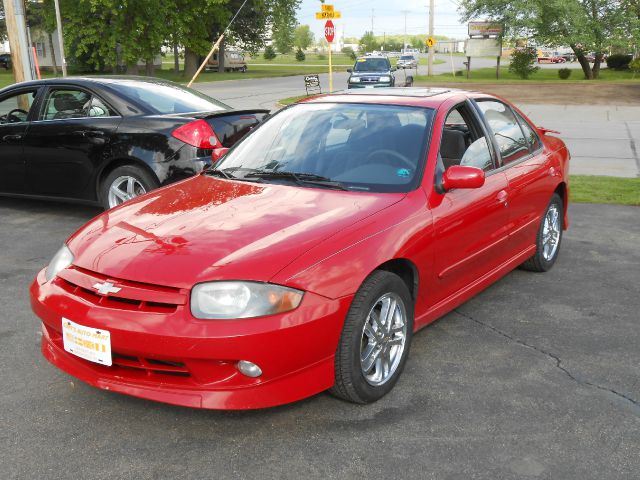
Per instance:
(310,254)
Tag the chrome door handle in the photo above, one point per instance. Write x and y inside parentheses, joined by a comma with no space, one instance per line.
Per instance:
(10,138)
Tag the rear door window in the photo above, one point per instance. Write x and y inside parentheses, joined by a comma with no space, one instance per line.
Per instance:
(511,142)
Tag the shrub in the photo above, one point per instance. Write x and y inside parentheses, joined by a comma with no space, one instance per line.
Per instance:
(459,73)
(269,53)
(349,51)
(634,65)
(618,61)
(564,73)
(522,62)
(300,56)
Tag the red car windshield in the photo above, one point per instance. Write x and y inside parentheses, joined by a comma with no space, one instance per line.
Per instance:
(378,148)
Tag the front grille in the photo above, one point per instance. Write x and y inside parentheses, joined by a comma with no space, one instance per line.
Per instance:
(132,296)
(369,79)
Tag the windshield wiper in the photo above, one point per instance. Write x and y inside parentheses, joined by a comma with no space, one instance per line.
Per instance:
(226,172)
(300,178)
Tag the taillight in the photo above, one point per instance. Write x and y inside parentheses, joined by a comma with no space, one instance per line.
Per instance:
(197,133)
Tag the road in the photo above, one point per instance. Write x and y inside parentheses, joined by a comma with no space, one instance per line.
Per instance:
(537,377)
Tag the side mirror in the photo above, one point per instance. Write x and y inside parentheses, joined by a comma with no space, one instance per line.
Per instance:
(460,176)
(218,153)
(349,70)
(393,69)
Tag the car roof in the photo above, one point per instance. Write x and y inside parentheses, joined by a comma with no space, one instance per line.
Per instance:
(106,80)
(431,97)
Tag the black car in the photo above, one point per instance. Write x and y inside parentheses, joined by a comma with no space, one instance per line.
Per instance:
(371,72)
(106,140)
(5,61)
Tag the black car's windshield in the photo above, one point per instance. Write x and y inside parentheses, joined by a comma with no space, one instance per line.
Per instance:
(372,65)
(167,98)
(378,148)
(406,57)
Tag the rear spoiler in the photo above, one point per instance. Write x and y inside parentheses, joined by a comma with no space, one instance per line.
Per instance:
(544,131)
(208,115)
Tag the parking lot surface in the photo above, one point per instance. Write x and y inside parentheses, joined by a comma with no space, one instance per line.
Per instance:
(537,377)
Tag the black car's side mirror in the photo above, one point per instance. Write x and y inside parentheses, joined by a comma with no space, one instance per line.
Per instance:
(393,69)
(349,70)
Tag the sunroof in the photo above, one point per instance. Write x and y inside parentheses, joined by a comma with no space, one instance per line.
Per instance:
(396,91)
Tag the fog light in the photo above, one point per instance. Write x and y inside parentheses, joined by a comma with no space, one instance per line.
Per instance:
(249,369)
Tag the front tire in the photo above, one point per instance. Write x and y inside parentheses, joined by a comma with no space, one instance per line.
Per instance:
(124,183)
(375,339)
(549,237)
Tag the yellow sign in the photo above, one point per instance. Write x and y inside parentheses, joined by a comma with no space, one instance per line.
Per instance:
(431,42)
(327,8)
(328,15)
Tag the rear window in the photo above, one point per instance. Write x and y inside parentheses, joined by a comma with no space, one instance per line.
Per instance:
(167,98)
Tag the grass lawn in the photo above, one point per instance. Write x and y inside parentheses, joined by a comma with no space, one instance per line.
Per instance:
(484,75)
(595,189)
(311,59)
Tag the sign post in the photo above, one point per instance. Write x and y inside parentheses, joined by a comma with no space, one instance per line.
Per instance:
(327,14)
(329,34)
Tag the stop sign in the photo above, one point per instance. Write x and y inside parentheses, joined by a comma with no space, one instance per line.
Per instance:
(329,31)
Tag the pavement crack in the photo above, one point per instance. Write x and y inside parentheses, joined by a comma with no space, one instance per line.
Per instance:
(634,149)
(558,361)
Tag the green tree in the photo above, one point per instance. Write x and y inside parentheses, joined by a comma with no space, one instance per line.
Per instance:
(303,37)
(284,24)
(523,62)
(269,53)
(300,56)
(585,25)
(368,43)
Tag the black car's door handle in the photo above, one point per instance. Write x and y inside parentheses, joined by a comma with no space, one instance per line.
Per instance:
(12,138)
(89,133)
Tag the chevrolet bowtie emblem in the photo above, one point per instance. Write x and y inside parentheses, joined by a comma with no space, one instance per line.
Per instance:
(106,288)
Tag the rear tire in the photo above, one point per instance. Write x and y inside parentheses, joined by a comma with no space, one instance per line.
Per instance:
(124,183)
(549,237)
(375,340)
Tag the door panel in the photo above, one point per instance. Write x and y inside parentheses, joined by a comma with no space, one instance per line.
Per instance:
(470,228)
(14,114)
(63,155)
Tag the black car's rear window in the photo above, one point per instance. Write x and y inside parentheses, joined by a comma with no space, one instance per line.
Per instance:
(166,98)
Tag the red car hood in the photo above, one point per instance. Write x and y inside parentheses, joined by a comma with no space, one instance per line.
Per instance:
(209,229)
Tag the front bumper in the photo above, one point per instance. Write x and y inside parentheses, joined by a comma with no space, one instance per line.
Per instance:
(174,358)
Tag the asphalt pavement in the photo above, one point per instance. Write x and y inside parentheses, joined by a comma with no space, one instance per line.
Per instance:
(536,377)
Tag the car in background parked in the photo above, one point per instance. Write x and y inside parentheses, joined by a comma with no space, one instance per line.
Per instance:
(550,58)
(5,61)
(371,72)
(407,61)
(309,255)
(106,140)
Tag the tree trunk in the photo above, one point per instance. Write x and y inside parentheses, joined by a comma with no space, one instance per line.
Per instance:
(132,69)
(54,65)
(190,63)
(149,68)
(176,59)
(221,65)
(596,65)
(586,68)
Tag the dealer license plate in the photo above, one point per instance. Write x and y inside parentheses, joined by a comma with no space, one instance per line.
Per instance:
(92,344)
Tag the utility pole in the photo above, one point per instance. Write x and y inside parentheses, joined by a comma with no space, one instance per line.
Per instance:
(17,34)
(59,27)
(404,42)
(430,64)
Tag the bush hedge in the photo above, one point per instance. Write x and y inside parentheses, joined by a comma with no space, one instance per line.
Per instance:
(619,61)
(564,73)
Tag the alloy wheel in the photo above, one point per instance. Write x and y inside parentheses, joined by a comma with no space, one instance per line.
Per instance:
(124,188)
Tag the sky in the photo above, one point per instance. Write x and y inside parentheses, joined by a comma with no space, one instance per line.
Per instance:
(388,16)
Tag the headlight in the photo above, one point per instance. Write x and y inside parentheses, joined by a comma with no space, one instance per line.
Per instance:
(384,79)
(60,261)
(229,300)
(354,80)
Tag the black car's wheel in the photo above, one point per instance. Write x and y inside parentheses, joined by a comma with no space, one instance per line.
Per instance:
(549,237)
(125,183)
(375,339)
